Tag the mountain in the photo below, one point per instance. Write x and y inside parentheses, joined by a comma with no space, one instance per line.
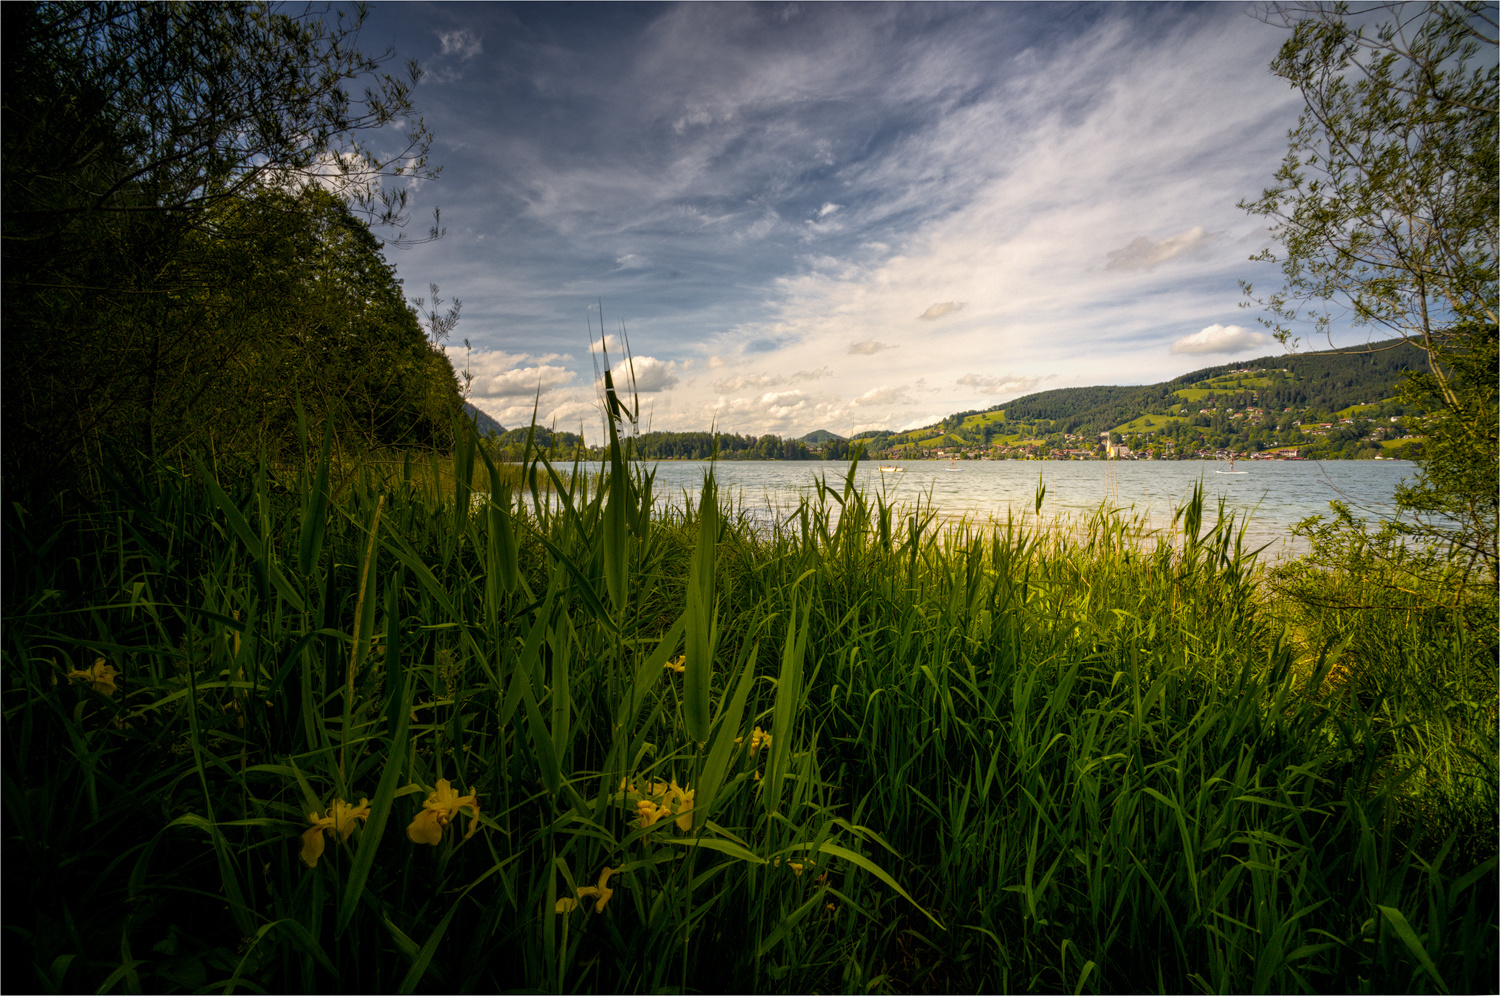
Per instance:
(1328,380)
(1346,400)
(486,425)
(820,436)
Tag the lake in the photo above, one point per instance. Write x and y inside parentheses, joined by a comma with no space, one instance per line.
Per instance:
(1275,494)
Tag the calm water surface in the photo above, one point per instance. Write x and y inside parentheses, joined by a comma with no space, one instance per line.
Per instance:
(1274,494)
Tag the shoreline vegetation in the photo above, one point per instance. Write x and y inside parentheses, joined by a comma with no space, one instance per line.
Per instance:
(407,710)
(281,731)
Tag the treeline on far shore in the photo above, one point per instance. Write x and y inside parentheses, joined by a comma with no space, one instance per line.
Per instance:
(511,445)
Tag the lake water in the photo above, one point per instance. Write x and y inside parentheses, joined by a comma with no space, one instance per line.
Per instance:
(1274,494)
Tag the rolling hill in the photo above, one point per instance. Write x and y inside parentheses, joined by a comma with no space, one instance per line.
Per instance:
(1229,405)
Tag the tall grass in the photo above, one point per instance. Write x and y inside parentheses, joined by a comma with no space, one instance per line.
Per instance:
(999,757)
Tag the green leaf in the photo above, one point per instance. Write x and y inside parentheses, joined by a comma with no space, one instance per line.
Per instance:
(1412,942)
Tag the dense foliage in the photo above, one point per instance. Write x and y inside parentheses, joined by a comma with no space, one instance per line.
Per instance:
(286,733)
(1384,208)
(174,270)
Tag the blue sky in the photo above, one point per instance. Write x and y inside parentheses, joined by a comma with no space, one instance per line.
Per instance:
(817,216)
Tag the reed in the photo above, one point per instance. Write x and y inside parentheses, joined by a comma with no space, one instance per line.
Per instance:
(561,737)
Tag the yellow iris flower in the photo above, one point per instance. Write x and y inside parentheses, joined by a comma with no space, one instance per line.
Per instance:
(677,664)
(680,801)
(101,677)
(662,800)
(339,822)
(439,810)
(760,738)
(599,893)
(648,812)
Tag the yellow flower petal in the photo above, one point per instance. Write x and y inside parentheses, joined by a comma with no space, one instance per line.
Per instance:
(438,811)
(427,828)
(604,891)
(681,802)
(565,905)
(341,817)
(100,677)
(443,797)
(648,812)
(760,738)
(312,846)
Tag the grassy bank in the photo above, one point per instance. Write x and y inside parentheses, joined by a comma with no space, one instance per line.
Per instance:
(272,737)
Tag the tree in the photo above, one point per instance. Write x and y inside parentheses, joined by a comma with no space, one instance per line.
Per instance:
(1384,208)
(130,132)
(336,336)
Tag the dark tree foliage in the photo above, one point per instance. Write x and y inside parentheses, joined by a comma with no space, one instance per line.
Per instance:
(155,253)
(726,446)
(331,332)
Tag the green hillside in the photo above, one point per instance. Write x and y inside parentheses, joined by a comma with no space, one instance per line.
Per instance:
(1324,404)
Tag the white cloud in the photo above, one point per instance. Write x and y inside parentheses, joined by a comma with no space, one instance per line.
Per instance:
(828,209)
(1221,339)
(867,347)
(1002,384)
(611,343)
(885,394)
(651,374)
(342,174)
(715,362)
(462,43)
(522,381)
(939,310)
(1143,254)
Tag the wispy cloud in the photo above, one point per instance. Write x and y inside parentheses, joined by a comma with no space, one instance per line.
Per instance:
(999,383)
(461,42)
(731,385)
(1143,254)
(867,347)
(940,309)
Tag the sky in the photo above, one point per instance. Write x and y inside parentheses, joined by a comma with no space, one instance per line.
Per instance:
(841,217)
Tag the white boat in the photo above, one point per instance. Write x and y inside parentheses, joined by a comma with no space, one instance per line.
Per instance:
(888,469)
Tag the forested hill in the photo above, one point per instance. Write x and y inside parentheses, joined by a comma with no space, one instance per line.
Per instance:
(1328,381)
(485,425)
(1252,405)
